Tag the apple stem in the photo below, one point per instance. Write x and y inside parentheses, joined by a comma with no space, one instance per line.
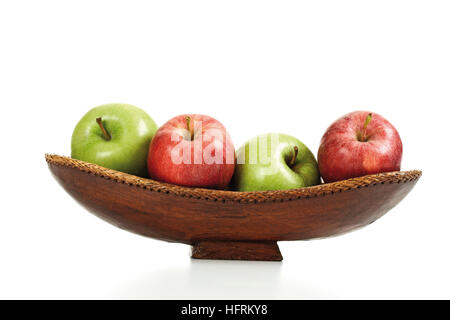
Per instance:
(294,157)
(363,136)
(368,118)
(106,135)
(188,124)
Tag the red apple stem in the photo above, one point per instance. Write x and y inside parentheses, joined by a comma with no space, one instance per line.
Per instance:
(368,118)
(106,135)
(363,135)
(188,124)
(294,157)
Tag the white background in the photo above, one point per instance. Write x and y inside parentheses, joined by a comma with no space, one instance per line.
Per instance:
(257,66)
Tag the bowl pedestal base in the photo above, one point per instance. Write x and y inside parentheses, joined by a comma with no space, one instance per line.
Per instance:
(237,250)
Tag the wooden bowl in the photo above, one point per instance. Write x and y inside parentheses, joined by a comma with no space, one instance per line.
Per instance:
(228,224)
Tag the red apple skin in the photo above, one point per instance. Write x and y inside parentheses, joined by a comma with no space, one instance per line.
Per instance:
(197,173)
(342,156)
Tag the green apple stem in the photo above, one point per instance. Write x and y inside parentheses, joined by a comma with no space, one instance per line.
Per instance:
(362,136)
(188,124)
(106,135)
(294,157)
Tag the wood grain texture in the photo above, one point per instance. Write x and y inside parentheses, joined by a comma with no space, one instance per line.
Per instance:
(237,250)
(171,215)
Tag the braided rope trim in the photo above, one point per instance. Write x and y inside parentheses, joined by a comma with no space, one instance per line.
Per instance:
(235,196)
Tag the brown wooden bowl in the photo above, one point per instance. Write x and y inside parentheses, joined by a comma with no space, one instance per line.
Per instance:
(229,224)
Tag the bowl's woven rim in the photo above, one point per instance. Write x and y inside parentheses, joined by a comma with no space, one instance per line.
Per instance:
(235,196)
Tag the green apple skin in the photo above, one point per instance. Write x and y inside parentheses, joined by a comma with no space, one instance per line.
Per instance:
(275,168)
(131,130)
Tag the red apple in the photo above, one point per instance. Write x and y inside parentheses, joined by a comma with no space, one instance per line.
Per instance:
(358,144)
(192,150)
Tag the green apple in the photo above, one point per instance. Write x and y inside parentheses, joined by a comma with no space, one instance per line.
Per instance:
(115,136)
(274,162)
